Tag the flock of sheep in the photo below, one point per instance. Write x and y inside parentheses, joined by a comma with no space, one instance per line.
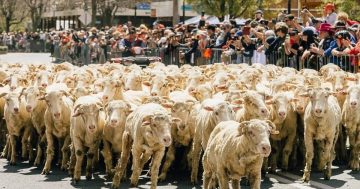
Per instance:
(237,120)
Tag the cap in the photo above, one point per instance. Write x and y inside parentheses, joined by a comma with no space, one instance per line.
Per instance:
(325,27)
(211,27)
(339,24)
(308,31)
(258,12)
(329,6)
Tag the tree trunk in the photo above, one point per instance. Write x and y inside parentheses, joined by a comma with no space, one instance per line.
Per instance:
(107,17)
(93,12)
(7,24)
(176,17)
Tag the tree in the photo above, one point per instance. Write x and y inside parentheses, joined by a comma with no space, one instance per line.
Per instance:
(36,8)
(234,8)
(108,9)
(176,17)
(12,12)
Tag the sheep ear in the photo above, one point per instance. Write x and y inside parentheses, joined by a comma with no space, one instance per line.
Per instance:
(77,111)
(269,102)
(3,94)
(208,108)
(272,128)
(242,127)
(146,121)
(147,83)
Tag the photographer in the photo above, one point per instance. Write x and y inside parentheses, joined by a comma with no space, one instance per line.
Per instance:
(275,50)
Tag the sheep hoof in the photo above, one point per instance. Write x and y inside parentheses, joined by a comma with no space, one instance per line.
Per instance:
(45,172)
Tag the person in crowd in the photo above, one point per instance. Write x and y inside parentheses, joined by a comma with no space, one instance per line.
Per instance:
(258,15)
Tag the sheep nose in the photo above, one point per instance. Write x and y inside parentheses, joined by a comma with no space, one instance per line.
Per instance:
(126,88)
(263,111)
(353,103)
(91,127)
(56,115)
(105,97)
(16,110)
(13,87)
(299,108)
(154,94)
(266,149)
(191,89)
(44,85)
(167,141)
(282,114)
(113,121)
(318,111)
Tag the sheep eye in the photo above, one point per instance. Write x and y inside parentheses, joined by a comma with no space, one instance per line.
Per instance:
(216,113)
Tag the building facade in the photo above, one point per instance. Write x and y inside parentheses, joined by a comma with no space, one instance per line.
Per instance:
(65,14)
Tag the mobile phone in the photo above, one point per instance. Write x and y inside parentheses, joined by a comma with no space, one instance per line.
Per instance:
(246,30)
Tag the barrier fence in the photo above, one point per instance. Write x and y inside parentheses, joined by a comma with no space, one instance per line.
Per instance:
(85,54)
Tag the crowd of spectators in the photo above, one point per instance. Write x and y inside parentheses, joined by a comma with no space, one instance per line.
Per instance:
(287,40)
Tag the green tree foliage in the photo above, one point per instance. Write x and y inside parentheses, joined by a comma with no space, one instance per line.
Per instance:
(234,8)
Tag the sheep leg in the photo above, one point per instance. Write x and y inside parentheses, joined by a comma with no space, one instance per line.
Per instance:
(72,161)
(107,158)
(122,162)
(5,152)
(170,156)
(79,151)
(65,153)
(206,178)
(41,141)
(328,151)
(354,159)
(223,179)
(25,143)
(158,156)
(89,163)
(33,136)
(235,184)
(255,179)
(13,149)
(274,156)
(136,167)
(287,151)
(195,161)
(309,145)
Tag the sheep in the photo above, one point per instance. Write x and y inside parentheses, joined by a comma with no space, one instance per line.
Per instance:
(87,124)
(116,111)
(147,133)
(18,123)
(36,108)
(321,122)
(351,120)
(212,112)
(284,118)
(254,107)
(57,123)
(237,150)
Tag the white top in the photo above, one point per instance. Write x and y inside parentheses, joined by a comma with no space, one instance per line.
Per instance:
(331,18)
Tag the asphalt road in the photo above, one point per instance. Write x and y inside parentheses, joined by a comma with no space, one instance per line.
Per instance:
(26,176)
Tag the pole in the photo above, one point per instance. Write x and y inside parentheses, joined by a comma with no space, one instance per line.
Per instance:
(183,13)
(289,6)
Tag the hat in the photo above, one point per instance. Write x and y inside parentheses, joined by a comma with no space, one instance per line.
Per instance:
(329,6)
(259,12)
(253,24)
(325,27)
(238,33)
(339,24)
(211,27)
(293,32)
(343,34)
(290,16)
(308,31)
